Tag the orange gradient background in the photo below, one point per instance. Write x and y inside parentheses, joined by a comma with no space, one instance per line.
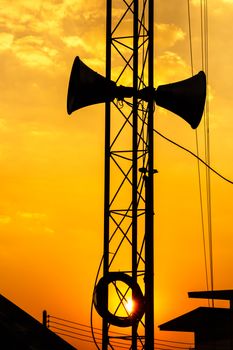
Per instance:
(52,165)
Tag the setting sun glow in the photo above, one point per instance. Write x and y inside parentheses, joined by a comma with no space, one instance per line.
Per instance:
(129,305)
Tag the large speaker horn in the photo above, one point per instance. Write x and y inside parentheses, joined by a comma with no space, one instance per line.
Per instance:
(86,87)
(185,98)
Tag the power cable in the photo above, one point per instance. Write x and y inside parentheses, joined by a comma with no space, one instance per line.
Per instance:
(62,327)
(92,304)
(190,36)
(194,155)
(208,152)
(205,66)
(197,146)
(187,150)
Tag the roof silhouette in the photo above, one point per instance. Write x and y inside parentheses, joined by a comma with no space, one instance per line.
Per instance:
(202,318)
(19,330)
(212,326)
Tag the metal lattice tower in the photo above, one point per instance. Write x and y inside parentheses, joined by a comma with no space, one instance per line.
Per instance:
(128,258)
(128,209)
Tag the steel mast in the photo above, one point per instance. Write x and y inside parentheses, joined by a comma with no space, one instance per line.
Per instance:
(128,195)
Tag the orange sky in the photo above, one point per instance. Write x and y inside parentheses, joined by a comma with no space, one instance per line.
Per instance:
(51,204)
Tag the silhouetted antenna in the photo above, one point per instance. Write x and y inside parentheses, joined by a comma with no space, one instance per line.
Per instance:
(124,294)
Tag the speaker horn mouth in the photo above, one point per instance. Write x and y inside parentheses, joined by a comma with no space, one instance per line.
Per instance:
(87,87)
(185,98)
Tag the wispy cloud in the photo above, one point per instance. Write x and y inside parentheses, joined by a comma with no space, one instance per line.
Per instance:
(77,42)
(5,219)
(3,125)
(36,32)
(33,51)
(32,215)
(171,67)
(228,2)
(6,40)
(168,34)
(34,222)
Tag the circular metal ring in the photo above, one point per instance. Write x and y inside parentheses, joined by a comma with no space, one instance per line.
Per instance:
(100,300)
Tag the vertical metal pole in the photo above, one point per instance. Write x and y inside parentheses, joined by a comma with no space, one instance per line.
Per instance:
(135,161)
(149,234)
(105,339)
(44,321)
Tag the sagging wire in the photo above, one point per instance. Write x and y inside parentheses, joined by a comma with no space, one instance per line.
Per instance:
(196,138)
(194,155)
(60,328)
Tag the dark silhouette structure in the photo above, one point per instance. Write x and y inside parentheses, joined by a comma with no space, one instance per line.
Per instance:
(128,243)
(212,327)
(185,98)
(19,330)
(123,213)
(129,166)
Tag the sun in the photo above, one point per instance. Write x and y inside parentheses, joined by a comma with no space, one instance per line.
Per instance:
(129,305)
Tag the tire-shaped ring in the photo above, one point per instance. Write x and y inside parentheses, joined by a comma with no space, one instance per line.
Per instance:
(100,303)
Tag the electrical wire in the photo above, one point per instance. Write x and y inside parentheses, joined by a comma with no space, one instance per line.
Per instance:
(207,130)
(92,304)
(205,66)
(190,36)
(194,155)
(67,330)
(190,152)
(197,145)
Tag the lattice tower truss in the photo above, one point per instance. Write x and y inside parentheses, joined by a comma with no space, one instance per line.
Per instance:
(129,172)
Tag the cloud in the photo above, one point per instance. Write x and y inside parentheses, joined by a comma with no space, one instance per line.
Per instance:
(34,222)
(28,35)
(48,230)
(6,40)
(3,125)
(33,51)
(171,67)
(32,215)
(41,230)
(5,219)
(76,42)
(167,35)
(41,34)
